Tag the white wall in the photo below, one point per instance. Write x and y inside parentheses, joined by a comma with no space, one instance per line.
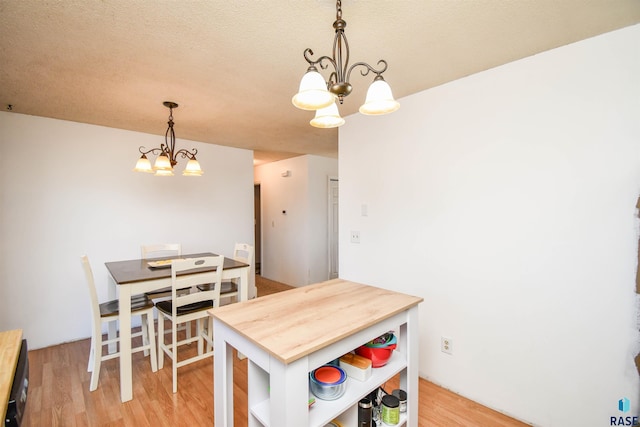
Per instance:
(68,189)
(294,245)
(507,200)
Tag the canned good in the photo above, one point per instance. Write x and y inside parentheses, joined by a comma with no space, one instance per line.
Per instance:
(390,410)
(402,397)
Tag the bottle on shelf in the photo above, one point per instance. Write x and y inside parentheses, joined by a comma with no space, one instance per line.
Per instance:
(364,412)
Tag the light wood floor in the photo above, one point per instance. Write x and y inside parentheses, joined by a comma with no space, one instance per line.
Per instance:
(59,392)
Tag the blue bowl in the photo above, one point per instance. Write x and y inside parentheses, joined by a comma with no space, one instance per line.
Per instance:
(391,341)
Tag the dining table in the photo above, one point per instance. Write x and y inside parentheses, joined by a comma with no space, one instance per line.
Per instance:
(136,276)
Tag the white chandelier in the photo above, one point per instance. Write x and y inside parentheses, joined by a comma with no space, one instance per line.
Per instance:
(317,94)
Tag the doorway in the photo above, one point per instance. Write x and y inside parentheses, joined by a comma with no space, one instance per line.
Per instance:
(333,228)
(257,227)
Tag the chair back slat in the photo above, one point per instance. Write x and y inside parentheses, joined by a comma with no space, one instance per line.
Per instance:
(243,252)
(160,250)
(93,293)
(191,280)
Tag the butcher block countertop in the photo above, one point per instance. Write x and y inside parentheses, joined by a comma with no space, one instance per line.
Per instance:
(293,324)
(10,343)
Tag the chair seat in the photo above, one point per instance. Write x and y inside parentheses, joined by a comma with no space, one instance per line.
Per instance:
(138,302)
(225,288)
(162,292)
(167,307)
(138,299)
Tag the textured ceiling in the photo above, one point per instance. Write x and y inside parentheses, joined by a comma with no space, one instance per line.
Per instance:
(233,65)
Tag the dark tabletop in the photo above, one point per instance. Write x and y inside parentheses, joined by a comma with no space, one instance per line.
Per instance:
(138,270)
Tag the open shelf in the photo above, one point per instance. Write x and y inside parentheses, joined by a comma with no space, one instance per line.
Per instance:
(323,411)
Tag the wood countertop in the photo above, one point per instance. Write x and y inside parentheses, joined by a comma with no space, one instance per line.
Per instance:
(293,324)
(10,343)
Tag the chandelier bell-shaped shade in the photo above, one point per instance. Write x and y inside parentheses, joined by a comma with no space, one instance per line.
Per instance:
(162,163)
(161,172)
(143,165)
(313,93)
(327,117)
(379,99)
(192,168)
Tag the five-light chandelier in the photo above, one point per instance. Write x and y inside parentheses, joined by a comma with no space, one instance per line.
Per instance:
(167,156)
(316,94)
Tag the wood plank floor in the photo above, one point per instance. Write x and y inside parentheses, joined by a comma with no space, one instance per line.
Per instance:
(59,392)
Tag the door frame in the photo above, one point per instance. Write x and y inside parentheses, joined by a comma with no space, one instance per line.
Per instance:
(330,224)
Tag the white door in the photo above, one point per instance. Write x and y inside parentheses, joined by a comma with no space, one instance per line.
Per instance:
(333,228)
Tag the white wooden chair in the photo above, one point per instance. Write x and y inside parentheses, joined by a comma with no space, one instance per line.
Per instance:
(183,308)
(160,250)
(242,252)
(163,250)
(109,312)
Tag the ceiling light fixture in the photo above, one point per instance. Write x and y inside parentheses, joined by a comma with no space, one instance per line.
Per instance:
(167,156)
(317,94)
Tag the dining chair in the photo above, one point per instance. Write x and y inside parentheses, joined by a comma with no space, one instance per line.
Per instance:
(162,250)
(242,252)
(193,306)
(109,312)
(159,250)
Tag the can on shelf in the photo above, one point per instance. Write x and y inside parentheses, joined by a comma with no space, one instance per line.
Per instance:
(402,397)
(390,410)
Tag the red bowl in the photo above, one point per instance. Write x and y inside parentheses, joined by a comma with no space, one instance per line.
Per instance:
(379,356)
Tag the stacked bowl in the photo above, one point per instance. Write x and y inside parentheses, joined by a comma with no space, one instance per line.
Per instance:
(379,350)
(328,382)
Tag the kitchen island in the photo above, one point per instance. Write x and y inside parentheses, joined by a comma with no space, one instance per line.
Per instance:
(10,344)
(288,334)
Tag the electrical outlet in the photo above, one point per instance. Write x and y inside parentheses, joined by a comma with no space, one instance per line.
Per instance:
(446,345)
(355,237)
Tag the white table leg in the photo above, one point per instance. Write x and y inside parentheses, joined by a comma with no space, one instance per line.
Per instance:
(126,392)
(253,293)
(289,387)
(112,327)
(244,292)
(410,379)
(244,284)
(222,377)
